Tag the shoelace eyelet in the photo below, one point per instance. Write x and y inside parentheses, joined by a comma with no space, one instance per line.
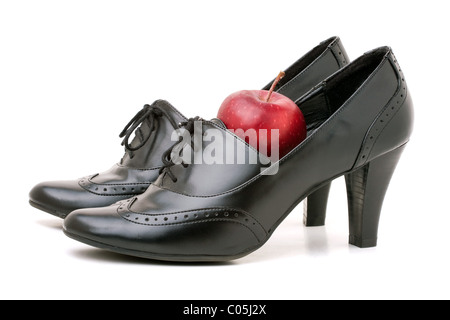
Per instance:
(166,159)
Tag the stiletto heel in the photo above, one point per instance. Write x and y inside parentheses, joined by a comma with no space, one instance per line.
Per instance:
(366,188)
(315,207)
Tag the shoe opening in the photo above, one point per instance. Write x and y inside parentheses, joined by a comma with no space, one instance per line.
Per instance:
(324,100)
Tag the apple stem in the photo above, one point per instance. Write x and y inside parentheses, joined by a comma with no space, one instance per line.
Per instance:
(274,84)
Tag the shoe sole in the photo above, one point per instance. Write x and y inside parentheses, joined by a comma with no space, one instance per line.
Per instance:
(53,212)
(154,256)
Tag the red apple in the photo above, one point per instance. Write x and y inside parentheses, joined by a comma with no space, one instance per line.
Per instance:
(261,109)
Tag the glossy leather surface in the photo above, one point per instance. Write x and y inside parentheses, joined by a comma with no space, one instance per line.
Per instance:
(135,173)
(128,178)
(226,214)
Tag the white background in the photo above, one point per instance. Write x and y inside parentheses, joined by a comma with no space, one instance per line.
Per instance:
(72,74)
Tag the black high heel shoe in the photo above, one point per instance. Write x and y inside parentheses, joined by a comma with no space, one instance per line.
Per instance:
(153,126)
(359,121)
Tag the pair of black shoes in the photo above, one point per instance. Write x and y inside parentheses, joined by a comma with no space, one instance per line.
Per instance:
(359,118)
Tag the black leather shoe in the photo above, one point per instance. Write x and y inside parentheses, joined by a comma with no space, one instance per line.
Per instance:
(359,121)
(142,160)
(139,166)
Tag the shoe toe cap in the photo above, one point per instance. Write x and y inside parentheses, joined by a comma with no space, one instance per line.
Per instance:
(95,226)
(105,228)
(56,197)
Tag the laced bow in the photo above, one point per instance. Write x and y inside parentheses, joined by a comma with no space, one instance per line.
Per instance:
(149,114)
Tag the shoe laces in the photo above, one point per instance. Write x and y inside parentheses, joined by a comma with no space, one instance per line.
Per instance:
(167,155)
(149,114)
